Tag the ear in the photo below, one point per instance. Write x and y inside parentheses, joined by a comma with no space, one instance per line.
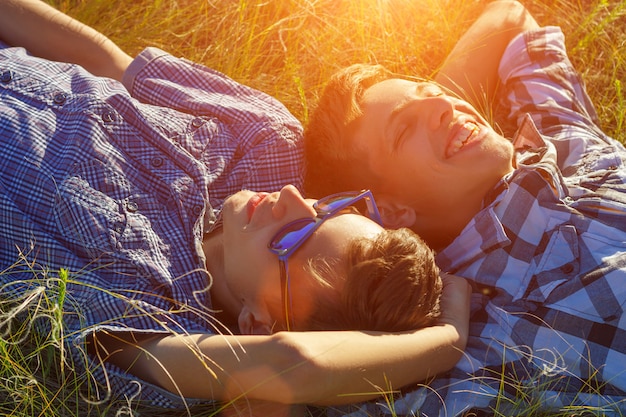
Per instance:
(253,322)
(395,215)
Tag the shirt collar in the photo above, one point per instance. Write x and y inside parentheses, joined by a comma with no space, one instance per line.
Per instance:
(528,136)
(485,231)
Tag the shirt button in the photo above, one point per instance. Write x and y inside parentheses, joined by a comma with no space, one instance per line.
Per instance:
(157,161)
(197,122)
(108,117)
(197,210)
(6,76)
(60,98)
(132,206)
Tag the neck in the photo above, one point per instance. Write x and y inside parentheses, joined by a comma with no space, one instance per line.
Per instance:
(226,306)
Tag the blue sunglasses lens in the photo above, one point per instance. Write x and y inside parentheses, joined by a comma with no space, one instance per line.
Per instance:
(291,234)
(332,204)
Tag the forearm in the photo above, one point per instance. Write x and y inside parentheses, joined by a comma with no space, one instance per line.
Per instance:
(367,366)
(334,368)
(471,69)
(255,408)
(48,33)
(322,368)
(345,367)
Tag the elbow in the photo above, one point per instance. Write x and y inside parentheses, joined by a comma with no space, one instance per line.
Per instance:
(306,376)
(458,342)
(509,6)
(514,16)
(456,353)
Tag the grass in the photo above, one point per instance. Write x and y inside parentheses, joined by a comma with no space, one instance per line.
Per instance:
(287,48)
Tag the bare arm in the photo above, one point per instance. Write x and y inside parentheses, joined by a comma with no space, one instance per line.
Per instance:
(300,367)
(51,34)
(471,69)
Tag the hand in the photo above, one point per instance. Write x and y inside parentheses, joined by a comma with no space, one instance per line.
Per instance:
(455,304)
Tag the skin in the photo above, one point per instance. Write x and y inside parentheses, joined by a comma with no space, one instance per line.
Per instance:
(55,36)
(322,368)
(431,116)
(268,366)
(471,69)
(409,129)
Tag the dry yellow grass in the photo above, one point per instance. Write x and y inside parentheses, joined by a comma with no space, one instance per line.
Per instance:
(288,48)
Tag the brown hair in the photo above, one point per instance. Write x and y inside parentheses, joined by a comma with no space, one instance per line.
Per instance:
(392,284)
(332,163)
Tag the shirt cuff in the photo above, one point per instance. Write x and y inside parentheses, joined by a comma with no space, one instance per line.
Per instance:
(140,62)
(517,52)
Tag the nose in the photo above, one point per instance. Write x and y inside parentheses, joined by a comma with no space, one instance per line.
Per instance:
(440,111)
(290,204)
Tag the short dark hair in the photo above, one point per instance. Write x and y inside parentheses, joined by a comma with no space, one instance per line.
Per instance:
(332,161)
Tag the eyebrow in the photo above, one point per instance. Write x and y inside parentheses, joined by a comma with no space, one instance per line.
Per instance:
(419,88)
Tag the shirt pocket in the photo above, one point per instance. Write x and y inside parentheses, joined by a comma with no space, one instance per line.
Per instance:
(592,284)
(558,263)
(598,292)
(88,209)
(100,214)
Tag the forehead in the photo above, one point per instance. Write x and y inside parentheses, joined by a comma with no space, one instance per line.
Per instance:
(390,90)
(332,237)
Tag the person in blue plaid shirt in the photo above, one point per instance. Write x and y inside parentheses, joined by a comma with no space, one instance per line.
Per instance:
(141,191)
(536,221)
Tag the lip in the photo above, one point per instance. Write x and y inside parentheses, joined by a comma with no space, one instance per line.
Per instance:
(463,134)
(253,203)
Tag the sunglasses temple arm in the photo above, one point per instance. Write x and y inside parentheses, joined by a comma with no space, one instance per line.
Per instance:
(373,208)
(286,292)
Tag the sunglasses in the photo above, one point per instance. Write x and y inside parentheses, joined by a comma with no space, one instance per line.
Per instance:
(292,235)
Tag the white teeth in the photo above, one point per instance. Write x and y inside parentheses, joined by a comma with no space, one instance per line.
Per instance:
(463,135)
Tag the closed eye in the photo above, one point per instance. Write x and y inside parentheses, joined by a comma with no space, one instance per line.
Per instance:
(406,127)
(400,136)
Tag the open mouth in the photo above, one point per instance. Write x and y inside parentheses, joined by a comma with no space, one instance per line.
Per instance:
(463,136)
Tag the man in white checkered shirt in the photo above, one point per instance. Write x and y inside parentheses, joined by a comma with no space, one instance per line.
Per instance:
(537,223)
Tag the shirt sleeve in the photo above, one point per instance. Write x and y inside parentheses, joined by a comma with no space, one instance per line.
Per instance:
(539,80)
(258,142)
(156,77)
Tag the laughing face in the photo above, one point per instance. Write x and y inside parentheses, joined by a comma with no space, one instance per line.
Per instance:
(436,155)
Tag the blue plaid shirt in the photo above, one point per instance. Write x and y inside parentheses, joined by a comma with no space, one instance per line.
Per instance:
(547,255)
(118,183)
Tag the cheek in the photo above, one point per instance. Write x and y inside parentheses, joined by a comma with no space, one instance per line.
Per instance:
(407,174)
(497,162)
(500,147)
(417,158)
(250,269)
(268,281)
